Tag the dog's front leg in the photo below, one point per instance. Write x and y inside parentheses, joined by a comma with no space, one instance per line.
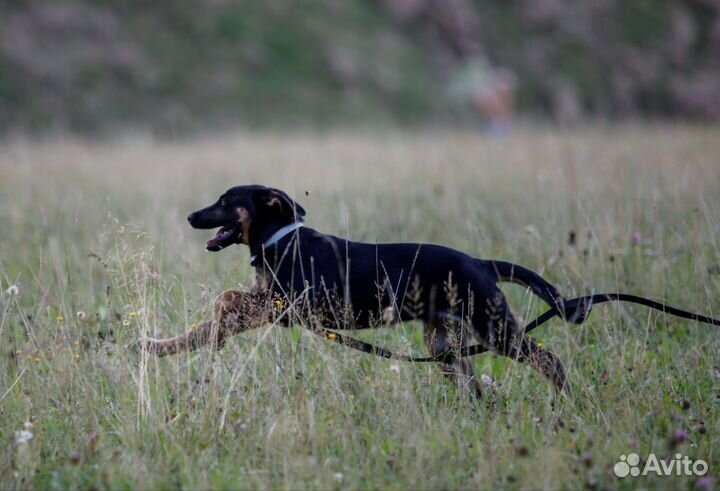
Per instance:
(190,341)
(233,313)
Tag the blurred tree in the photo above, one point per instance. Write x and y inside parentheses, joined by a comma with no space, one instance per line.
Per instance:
(185,65)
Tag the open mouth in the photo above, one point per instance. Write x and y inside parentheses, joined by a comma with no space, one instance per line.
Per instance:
(226,236)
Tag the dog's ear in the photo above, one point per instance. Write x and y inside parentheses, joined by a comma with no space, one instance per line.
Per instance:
(282,203)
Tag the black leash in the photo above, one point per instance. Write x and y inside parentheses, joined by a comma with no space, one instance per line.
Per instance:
(586,302)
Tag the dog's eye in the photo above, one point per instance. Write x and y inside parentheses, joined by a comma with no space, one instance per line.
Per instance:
(222,201)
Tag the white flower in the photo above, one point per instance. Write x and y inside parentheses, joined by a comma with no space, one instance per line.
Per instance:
(13,290)
(81,315)
(338,476)
(487,381)
(22,436)
(388,314)
(395,368)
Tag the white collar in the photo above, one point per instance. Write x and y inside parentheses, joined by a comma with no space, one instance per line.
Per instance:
(274,238)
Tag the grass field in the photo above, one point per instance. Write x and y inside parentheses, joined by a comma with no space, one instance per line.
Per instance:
(95,240)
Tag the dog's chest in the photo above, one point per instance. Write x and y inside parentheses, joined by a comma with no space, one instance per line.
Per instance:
(263,279)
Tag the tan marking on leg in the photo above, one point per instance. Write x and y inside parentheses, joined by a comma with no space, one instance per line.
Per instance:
(549,365)
(234,312)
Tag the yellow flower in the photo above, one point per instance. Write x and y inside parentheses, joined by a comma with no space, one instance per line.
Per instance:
(193,325)
(37,359)
(331,335)
(539,345)
(77,357)
(18,352)
(279,304)
(126,323)
(133,314)
(60,318)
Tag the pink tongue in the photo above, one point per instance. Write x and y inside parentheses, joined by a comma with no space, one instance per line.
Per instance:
(219,237)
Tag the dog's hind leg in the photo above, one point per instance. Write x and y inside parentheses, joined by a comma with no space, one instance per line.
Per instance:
(441,336)
(506,338)
(233,313)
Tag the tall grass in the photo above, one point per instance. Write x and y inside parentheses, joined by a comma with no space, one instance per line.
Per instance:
(95,239)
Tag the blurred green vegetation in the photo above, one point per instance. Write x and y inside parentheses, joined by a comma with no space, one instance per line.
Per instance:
(91,64)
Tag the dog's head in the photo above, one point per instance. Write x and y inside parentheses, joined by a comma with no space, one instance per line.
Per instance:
(241,212)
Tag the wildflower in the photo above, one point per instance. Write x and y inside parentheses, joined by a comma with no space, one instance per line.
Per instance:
(338,476)
(637,238)
(540,345)
(395,368)
(81,315)
(18,352)
(704,483)
(388,314)
(680,436)
(92,441)
(77,357)
(572,238)
(13,290)
(60,318)
(28,425)
(133,314)
(193,325)
(38,359)
(23,436)
(487,381)
(126,323)
(331,335)
(279,304)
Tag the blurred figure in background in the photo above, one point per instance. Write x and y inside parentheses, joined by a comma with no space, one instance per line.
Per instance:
(489,91)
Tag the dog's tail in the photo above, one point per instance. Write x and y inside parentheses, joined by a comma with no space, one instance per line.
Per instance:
(513,273)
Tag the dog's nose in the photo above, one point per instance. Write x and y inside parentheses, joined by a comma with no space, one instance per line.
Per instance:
(190,217)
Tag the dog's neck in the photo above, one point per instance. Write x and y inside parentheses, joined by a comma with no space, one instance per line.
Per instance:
(270,237)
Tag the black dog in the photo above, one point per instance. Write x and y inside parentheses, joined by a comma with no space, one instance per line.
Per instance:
(332,282)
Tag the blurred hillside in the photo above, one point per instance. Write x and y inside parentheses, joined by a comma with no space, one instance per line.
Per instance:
(86,65)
